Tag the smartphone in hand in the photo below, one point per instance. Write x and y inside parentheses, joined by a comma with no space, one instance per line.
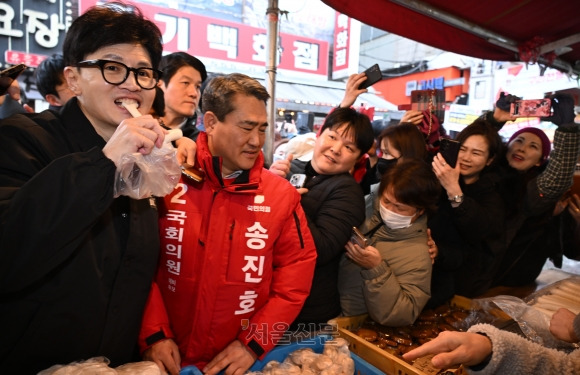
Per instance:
(531,108)
(449,149)
(7,76)
(297,180)
(373,74)
(358,238)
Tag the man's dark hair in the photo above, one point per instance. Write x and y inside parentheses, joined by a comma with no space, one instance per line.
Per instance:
(219,93)
(171,63)
(49,74)
(109,24)
(357,124)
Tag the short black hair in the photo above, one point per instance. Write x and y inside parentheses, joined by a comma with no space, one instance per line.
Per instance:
(357,124)
(171,63)
(109,24)
(49,74)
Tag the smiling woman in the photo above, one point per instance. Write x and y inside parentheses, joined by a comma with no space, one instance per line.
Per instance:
(468,224)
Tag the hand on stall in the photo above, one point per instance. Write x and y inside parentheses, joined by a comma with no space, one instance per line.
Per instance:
(453,348)
(562,325)
(235,359)
(166,355)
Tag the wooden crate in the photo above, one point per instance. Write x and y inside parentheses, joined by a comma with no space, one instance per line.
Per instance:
(384,361)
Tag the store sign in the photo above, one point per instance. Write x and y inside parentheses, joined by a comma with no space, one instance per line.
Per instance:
(32,30)
(226,46)
(346,46)
(432,84)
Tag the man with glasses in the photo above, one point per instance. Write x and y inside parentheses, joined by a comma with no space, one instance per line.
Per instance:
(76,264)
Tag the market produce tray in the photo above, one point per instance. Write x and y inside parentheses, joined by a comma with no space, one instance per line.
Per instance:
(280,353)
(384,361)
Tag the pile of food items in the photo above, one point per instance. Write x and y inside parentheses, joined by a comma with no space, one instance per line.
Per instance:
(335,359)
(561,294)
(399,340)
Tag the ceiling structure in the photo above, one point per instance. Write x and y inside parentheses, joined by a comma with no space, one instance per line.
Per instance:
(532,31)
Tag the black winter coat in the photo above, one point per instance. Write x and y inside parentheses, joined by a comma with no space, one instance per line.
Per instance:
(76,264)
(333,205)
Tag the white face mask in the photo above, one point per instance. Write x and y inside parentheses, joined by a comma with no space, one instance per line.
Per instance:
(394,220)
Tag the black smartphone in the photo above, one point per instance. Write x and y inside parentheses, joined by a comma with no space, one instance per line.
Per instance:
(358,238)
(449,149)
(7,76)
(373,74)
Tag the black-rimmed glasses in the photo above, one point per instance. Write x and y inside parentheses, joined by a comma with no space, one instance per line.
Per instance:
(116,73)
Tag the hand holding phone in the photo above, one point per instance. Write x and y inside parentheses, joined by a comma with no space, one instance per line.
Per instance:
(358,238)
(373,74)
(449,149)
(7,76)
(297,180)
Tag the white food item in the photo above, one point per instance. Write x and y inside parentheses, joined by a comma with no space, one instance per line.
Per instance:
(141,368)
(322,362)
(131,106)
(286,369)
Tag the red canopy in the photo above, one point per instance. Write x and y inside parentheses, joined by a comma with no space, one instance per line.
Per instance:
(501,30)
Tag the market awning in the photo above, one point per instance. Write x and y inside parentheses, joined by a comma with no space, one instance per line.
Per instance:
(501,30)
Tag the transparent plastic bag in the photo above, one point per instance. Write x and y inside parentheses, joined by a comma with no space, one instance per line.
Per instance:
(534,324)
(100,366)
(141,176)
(96,366)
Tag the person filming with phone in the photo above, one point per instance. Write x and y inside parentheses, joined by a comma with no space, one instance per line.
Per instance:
(390,278)
(468,224)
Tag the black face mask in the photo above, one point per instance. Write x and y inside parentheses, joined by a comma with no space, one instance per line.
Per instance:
(384,165)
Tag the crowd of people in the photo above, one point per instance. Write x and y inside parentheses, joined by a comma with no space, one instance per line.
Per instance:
(215,273)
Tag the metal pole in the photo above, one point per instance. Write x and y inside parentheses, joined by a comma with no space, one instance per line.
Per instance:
(271,65)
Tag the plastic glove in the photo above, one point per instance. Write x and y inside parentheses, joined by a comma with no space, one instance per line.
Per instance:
(504,101)
(563,109)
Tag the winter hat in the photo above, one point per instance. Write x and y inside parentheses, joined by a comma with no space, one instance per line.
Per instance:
(301,146)
(546,144)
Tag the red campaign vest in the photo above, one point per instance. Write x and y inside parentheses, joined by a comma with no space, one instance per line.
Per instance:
(216,264)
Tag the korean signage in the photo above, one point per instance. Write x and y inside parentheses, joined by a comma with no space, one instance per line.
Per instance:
(226,46)
(346,46)
(32,30)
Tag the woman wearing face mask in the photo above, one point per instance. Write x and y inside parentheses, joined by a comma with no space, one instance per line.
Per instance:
(469,223)
(390,278)
(399,141)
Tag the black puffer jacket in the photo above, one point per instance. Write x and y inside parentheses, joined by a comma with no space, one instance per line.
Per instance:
(333,205)
(76,264)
